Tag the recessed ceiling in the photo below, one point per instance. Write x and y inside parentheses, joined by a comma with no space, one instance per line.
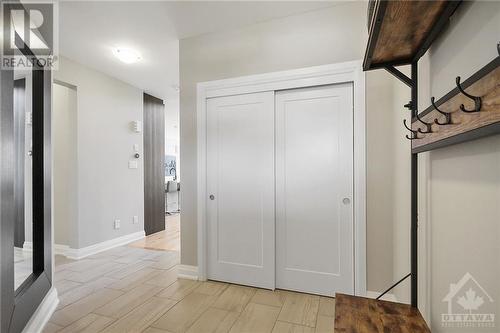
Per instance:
(89,31)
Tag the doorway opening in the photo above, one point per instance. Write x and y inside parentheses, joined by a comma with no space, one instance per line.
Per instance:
(161,175)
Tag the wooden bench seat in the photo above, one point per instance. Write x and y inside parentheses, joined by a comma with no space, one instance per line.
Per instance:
(355,314)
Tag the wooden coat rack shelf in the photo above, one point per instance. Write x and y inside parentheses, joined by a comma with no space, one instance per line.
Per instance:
(464,126)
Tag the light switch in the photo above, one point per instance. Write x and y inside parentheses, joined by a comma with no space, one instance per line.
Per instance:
(132,164)
(135,219)
(117,224)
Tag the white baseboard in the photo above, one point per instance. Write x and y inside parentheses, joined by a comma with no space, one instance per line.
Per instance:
(187,272)
(28,247)
(43,313)
(387,297)
(83,252)
(61,249)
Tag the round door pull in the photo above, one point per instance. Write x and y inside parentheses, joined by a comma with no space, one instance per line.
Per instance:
(212,197)
(346,201)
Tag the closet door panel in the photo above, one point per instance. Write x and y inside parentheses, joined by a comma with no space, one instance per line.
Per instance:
(240,183)
(314,162)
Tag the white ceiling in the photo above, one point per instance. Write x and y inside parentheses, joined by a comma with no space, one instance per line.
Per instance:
(88,31)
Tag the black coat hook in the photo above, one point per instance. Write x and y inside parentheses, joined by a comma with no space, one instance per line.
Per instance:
(476,99)
(426,124)
(447,115)
(414,134)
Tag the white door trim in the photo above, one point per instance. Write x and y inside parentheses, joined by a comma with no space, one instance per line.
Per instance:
(351,71)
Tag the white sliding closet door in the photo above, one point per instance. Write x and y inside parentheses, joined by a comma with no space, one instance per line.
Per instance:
(240,184)
(314,187)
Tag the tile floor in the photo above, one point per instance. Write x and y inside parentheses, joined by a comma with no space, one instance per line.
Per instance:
(130,289)
(168,239)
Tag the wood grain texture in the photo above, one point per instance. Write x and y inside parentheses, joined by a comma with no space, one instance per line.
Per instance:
(154,164)
(404,28)
(488,88)
(363,315)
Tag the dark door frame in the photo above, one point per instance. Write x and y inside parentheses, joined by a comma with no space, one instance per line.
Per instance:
(18,306)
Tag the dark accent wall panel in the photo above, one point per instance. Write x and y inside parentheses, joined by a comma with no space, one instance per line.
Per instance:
(154,164)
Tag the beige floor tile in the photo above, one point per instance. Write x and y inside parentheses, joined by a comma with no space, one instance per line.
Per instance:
(208,321)
(51,328)
(127,269)
(141,317)
(84,306)
(60,260)
(228,322)
(256,318)
(284,327)
(84,264)
(154,330)
(179,289)
(234,298)
(91,323)
(212,288)
(300,309)
(325,324)
(63,274)
(135,279)
(95,272)
(164,279)
(269,297)
(64,286)
(180,317)
(167,262)
(128,301)
(84,290)
(327,306)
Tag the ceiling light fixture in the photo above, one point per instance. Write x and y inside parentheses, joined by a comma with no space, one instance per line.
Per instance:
(127,56)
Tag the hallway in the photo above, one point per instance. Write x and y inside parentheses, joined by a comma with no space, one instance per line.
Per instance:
(168,239)
(128,289)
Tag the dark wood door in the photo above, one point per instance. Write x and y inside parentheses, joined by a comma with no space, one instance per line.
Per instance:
(154,164)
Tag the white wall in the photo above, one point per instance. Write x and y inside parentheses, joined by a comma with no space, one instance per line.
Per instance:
(464,179)
(107,189)
(64,165)
(327,36)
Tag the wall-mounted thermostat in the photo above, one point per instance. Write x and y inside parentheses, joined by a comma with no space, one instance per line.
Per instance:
(137,126)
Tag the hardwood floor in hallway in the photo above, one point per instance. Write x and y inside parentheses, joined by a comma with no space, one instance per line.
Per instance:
(168,239)
(129,289)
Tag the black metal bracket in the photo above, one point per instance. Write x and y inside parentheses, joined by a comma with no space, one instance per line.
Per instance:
(476,99)
(393,286)
(412,105)
(401,76)
(447,115)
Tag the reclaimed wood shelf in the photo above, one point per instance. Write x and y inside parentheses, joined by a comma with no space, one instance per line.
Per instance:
(400,32)
(464,126)
(355,314)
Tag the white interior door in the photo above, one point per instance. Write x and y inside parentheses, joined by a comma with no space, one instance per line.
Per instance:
(314,187)
(240,184)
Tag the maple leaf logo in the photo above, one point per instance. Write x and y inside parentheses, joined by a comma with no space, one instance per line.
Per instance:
(470,301)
